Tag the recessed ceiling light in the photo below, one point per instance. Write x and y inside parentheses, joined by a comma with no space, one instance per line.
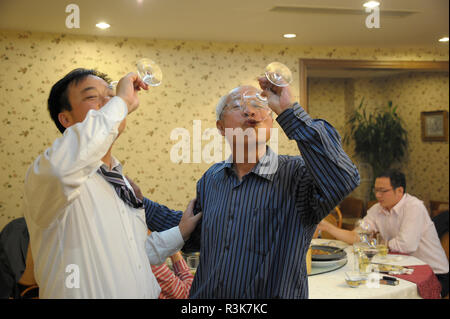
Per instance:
(289,35)
(102,25)
(444,39)
(371,4)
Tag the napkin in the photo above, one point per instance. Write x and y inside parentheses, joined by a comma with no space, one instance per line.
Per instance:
(427,283)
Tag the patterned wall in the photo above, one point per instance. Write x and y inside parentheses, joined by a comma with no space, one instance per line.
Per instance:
(196,74)
(426,166)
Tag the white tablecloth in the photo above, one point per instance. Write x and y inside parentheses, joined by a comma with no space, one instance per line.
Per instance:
(332,285)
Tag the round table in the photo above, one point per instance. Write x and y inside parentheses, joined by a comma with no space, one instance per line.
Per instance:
(332,285)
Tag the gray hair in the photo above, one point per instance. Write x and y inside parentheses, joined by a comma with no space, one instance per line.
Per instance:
(223,100)
(220,106)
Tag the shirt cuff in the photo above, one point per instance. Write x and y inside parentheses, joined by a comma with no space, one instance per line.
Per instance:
(174,235)
(160,245)
(116,109)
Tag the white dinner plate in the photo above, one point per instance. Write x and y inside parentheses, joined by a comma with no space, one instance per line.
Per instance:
(321,264)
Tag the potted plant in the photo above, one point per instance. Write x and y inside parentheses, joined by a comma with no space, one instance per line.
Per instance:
(380,138)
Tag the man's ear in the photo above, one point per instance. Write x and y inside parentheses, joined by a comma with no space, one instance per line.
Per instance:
(65,119)
(400,190)
(220,127)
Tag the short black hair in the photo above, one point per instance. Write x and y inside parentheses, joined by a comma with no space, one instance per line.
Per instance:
(58,99)
(397,178)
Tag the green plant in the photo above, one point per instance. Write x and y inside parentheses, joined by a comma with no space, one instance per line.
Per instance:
(380,138)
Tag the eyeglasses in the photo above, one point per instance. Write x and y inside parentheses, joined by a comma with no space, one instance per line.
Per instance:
(255,100)
(382,191)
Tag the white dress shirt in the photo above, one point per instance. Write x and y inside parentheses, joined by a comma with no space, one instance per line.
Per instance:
(86,242)
(410,230)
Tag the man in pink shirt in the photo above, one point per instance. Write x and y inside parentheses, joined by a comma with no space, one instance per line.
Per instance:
(403,221)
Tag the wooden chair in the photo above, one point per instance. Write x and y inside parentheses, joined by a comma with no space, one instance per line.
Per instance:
(440,221)
(352,209)
(28,280)
(437,207)
(335,218)
(444,243)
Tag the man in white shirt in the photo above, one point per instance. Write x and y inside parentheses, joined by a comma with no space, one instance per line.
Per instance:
(86,240)
(403,221)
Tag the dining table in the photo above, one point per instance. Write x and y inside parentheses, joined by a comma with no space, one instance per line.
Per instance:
(328,282)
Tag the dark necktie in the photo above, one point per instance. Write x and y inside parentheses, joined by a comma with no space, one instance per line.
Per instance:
(124,192)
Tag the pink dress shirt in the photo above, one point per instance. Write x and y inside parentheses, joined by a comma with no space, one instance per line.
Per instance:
(409,229)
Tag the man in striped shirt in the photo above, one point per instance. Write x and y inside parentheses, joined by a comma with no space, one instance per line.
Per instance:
(260,209)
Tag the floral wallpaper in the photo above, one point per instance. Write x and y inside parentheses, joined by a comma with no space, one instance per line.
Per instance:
(195,75)
(426,165)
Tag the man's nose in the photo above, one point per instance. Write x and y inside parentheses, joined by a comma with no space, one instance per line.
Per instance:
(249,110)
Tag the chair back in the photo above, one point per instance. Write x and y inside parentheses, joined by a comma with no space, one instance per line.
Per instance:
(444,243)
(352,207)
(335,218)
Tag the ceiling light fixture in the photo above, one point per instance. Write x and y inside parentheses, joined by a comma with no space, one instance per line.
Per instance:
(371,4)
(289,35)
(444,39)
(102,25)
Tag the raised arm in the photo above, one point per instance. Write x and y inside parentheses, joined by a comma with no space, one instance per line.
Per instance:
(55,176)
(330,173)
(53,180)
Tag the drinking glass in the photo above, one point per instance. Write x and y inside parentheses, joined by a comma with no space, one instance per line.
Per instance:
(382,246)
(360,260)
(192,260)
(363,230)
(258,102)
(278,74)
(363,262)
(356,251)
(148,71)
(370,252)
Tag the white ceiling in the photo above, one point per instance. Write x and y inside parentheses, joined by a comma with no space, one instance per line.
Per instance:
(316,22)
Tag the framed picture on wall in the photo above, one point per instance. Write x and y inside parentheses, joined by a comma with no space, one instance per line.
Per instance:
(434,126)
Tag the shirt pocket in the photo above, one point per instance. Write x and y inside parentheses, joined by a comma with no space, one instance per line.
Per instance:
(264,225)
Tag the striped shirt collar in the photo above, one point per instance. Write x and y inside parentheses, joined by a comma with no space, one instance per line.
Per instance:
(266,166)
(115,165)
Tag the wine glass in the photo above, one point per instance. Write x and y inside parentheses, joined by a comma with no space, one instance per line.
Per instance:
(257,101)
(148,71)
(363,230)
(370,252)
(278,74)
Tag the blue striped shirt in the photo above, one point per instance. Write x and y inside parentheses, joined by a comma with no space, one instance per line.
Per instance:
(256,231)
